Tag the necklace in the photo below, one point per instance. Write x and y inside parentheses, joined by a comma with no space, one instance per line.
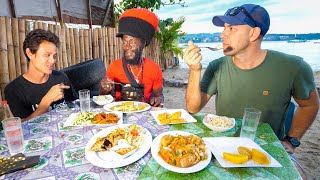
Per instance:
(136,77)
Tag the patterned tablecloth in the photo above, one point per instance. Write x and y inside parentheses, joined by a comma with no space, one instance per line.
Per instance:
(63,155)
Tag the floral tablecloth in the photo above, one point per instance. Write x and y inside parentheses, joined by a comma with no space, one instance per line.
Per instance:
(63,156)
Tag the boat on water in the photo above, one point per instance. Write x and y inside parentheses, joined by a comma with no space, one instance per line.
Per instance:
(296,41)
(316,41)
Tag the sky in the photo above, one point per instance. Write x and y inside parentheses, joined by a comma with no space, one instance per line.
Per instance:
(286,16)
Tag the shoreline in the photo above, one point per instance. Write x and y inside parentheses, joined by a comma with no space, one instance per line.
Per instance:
(307,154)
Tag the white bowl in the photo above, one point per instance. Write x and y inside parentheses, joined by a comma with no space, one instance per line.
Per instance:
(218,128)
(102,99)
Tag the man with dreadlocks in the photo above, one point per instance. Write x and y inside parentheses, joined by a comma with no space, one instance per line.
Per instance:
(134,77)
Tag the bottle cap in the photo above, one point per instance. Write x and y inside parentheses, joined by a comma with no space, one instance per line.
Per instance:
(4,102)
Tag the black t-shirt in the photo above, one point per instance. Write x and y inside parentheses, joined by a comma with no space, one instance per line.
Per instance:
(24,96)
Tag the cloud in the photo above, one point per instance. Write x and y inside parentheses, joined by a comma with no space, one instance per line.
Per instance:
(287,16)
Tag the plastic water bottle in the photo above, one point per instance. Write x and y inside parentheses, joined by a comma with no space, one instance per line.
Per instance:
(5,112)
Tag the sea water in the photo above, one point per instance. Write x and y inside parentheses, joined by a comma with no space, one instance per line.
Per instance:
(249,132)
(309,51)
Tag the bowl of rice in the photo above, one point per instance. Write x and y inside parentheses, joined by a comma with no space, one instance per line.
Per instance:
(102,99)
(219,123)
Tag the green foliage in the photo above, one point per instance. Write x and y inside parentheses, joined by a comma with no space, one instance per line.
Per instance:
(168,35)
(148,4)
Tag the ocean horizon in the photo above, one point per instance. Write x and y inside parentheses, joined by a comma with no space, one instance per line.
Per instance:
(309,51)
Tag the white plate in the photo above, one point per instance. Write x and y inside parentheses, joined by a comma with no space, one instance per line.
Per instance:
(109,106)
(108,159)
(217,128)
(195,168)
(108,99)
(218,145)
(184,114)
(73,116)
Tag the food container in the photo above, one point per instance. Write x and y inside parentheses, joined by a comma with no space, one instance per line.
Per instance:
(219,123)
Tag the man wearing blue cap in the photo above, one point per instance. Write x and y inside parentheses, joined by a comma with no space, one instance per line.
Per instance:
(248,76)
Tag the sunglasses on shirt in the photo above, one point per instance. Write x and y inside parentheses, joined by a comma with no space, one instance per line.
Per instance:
(234,11)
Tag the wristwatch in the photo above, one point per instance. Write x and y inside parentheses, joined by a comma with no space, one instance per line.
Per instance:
(295,142)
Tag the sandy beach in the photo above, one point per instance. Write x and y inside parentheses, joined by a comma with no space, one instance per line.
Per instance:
(308,153)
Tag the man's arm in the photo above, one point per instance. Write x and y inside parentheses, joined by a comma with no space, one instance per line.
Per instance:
(158,98)
(54,94)
(304,115)
(106,86)
(195,99)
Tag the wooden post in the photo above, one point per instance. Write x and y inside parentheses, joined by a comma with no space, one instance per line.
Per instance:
(59,62)
(15,36)
(100,39)
(82,50)
(77,45)
(86,44)
(12,8)
(50,28)
(104,45)
(22,36)
(89,14)
(11,60)
(90,43)
(72,47)
(63,48)
(68,46)
(110,43)
(44,26)
(94,43)
(4,71)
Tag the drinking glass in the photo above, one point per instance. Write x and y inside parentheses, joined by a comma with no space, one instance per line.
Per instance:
(250,122)
(14,134)
(84,97)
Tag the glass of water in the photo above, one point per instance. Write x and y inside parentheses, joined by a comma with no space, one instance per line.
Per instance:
(250,123)
(84,97)
(14,134)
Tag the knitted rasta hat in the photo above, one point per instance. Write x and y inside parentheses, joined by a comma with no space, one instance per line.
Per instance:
(138,22)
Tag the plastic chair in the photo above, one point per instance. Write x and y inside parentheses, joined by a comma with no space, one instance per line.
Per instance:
(289,118)
(86,75)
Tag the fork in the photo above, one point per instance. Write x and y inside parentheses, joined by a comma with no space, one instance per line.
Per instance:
(217,48)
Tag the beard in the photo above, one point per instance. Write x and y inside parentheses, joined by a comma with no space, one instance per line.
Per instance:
(136,60)
(228,51)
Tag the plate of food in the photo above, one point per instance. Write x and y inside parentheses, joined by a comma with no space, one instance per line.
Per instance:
(172,116)
(118,146)
(239,152)
(127,106)
(102,99)
(191,158)
(219,123)
(90,118)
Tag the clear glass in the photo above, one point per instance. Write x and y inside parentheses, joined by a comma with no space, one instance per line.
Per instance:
(84,98)
(14,134)
(250,122)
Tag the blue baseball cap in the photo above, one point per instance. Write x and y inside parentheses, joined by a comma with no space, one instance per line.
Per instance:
(250,14)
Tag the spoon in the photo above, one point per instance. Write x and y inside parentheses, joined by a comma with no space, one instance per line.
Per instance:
(217,48)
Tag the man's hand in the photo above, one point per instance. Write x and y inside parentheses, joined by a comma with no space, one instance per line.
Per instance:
(106,85)
(157,101)
(192,56)
(55,93)
(287,146)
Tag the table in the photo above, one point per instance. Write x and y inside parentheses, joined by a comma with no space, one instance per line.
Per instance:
(62,152)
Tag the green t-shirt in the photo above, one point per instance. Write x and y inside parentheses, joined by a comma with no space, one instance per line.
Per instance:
(267,87)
